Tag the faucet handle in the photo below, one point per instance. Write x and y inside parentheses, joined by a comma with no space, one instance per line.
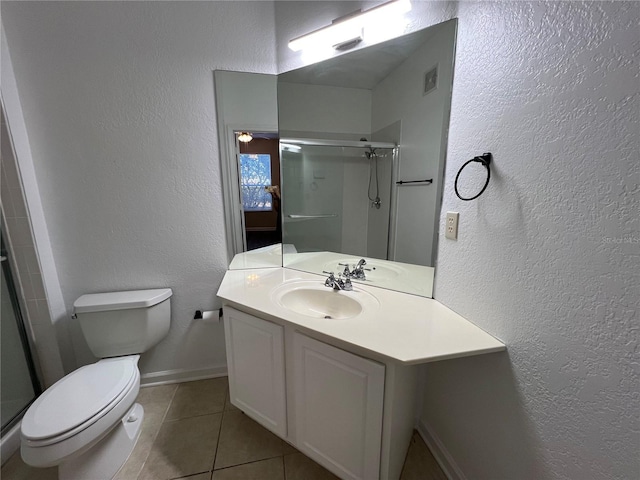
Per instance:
(331,280)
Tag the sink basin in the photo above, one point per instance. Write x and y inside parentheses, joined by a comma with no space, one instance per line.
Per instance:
(313,299)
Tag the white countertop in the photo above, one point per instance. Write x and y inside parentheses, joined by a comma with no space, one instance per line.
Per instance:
(406,328)
(265,257)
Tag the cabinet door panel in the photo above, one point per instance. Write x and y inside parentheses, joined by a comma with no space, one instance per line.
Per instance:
(338,401)
(255,358)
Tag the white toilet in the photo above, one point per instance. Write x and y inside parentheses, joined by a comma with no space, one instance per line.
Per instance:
(87,423)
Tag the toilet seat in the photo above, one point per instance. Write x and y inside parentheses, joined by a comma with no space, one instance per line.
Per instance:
(79,400)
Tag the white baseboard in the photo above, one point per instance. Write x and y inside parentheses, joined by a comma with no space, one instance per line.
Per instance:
(440,452)
(10,443)
(181,375)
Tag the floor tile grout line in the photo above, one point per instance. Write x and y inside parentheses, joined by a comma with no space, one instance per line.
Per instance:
(155,436)
(193,416)
(215,456)
(188,476)
(284,469)
(164,417)
(250,462)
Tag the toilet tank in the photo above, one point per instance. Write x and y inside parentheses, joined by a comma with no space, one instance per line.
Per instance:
(124,323)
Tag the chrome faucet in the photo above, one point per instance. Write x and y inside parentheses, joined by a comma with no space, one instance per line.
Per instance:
(357,272)
(338,283)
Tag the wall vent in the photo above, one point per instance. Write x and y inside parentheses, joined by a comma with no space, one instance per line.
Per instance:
(430,80)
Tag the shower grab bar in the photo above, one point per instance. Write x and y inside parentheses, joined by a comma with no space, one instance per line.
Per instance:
(405,182)
(324,215)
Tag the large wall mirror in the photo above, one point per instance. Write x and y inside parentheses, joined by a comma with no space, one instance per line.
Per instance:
(362,154)
(363,144)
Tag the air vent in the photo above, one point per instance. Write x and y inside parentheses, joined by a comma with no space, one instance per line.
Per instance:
(430,80)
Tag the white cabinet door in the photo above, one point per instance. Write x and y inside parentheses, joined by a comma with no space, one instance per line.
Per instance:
(255,359)
(338,408)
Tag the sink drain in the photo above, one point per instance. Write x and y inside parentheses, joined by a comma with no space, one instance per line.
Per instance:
(327,316)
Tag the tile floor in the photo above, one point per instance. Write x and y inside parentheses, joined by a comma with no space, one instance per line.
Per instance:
(191,431)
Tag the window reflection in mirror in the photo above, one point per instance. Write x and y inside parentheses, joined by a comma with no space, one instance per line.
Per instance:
(258,167)
(246,102)
(259,176)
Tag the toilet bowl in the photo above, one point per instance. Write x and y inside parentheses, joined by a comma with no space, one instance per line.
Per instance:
(88,422)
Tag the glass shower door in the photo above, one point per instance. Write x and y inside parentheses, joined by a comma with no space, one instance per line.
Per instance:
(17,374)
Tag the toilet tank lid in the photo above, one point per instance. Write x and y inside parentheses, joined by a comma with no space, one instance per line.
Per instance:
(102,302)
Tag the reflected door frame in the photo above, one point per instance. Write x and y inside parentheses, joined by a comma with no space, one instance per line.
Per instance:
(234,213)
(258,220)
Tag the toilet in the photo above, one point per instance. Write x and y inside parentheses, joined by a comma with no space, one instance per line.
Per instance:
(87,423)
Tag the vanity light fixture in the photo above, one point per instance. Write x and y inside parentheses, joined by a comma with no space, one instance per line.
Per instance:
(346,32)
(244,137)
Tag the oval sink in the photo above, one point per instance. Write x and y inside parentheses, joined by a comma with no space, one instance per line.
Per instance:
(313,299)
(321,303)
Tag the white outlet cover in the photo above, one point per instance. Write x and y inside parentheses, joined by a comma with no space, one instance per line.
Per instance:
(451,225)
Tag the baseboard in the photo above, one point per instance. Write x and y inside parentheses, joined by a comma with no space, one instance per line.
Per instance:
(440,452)
(10,443)
(181,375)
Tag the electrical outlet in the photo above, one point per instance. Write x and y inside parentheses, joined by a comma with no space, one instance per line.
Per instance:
(451,225)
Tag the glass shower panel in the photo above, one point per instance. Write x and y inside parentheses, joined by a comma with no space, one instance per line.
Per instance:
(313,180)
(18,378)
(327,197)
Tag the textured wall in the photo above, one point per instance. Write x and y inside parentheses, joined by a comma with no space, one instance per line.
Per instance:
(548,258)
(119,105)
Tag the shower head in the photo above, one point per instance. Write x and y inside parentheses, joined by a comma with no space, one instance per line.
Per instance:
(371,153)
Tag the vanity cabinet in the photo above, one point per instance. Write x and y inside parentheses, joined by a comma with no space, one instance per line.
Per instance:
(338,408)
(255,361)
(352,414)
(348,393)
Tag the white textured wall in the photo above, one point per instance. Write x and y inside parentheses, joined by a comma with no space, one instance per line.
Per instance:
(548,257)
(551,89)
(119,106)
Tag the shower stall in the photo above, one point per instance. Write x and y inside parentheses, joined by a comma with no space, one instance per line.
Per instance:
(20,385)
(338,195)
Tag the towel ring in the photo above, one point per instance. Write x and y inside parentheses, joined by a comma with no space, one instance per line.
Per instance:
(485,160)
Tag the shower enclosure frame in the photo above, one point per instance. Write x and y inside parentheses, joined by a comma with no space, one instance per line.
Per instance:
(394,147)
(7,272)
